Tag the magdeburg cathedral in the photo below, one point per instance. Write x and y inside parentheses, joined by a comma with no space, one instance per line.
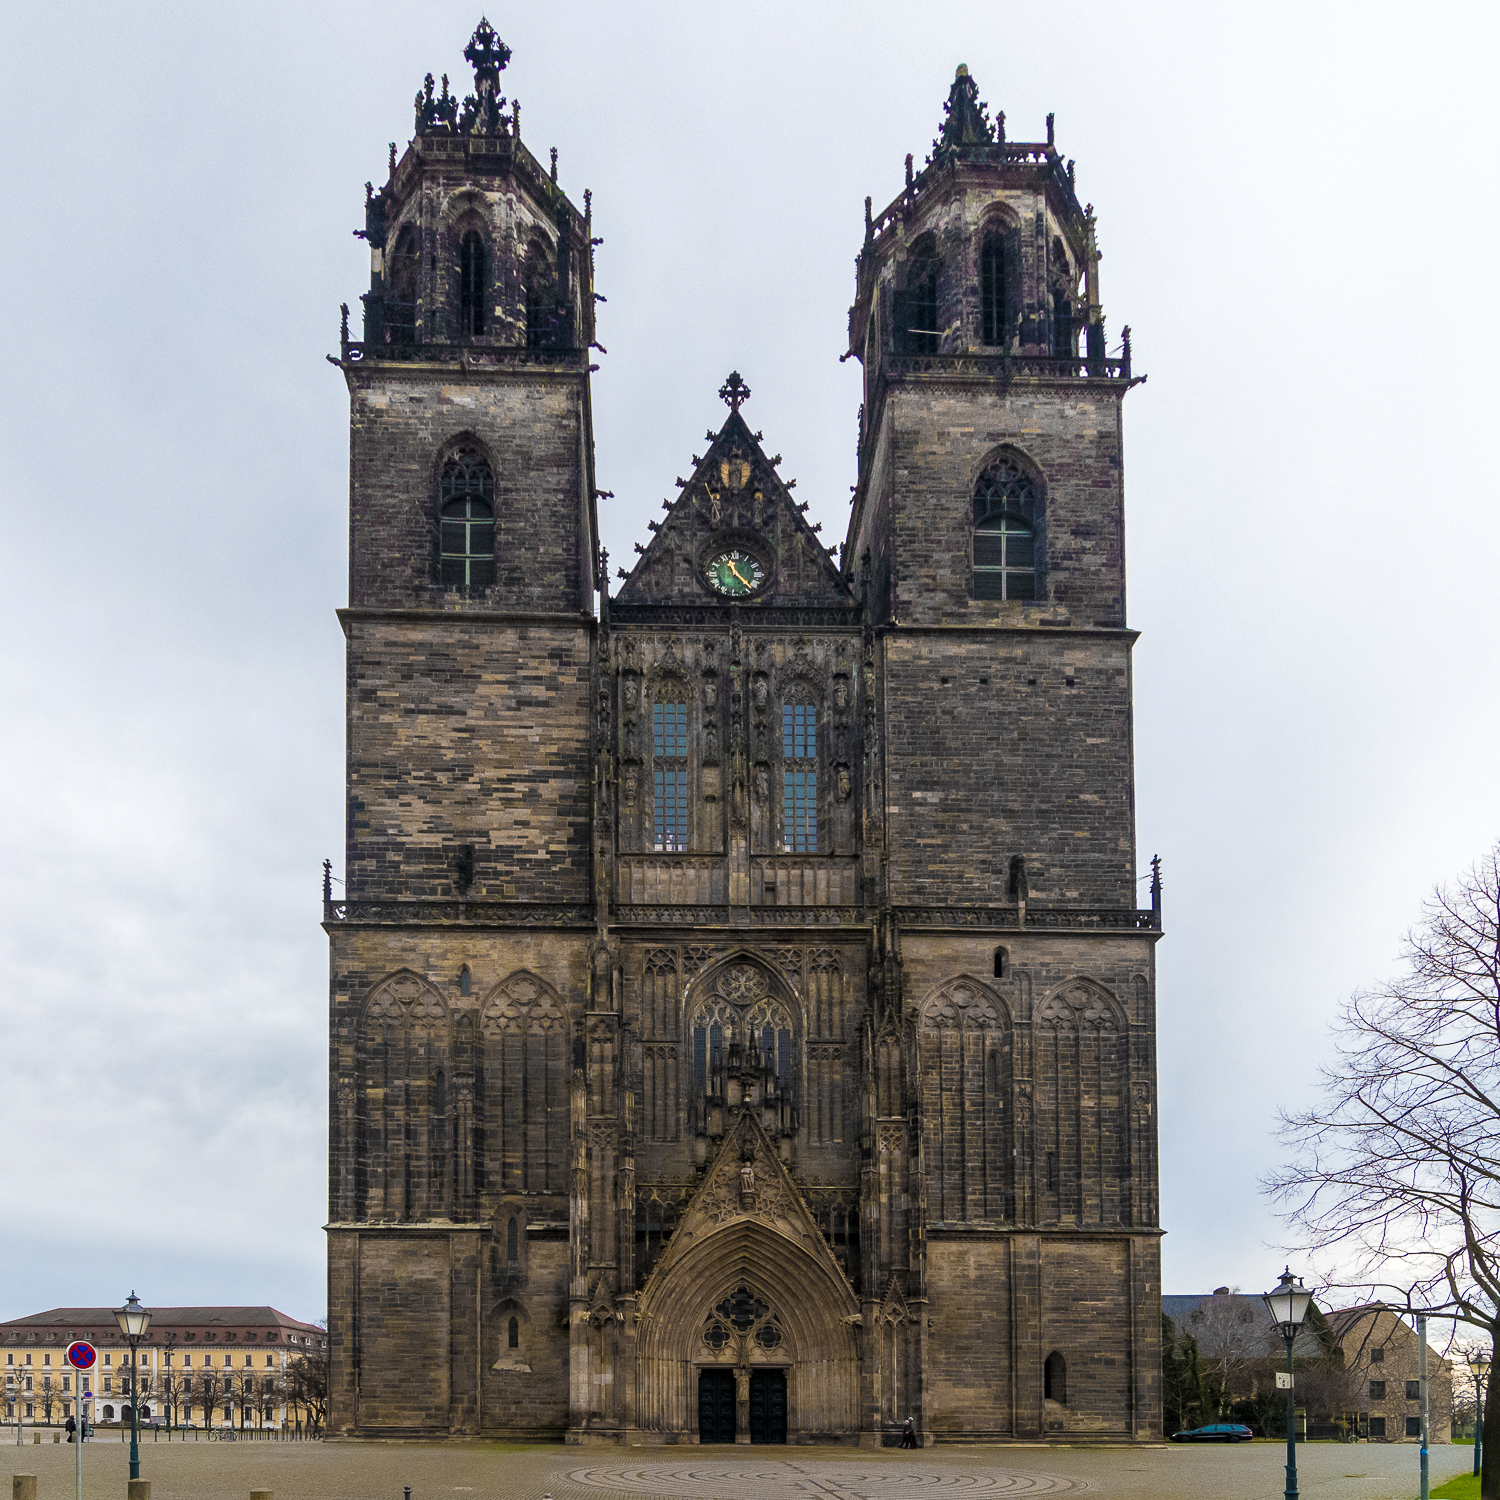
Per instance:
(742,1020)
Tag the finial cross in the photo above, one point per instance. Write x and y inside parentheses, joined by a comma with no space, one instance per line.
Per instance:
(734,392)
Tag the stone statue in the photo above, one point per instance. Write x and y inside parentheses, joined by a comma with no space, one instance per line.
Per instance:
(747,1178)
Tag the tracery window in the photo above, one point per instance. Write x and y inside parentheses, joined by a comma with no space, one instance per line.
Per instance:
(992,289)
(669,732)
(467,496)
(1007,507)
(473,283)
(799,778)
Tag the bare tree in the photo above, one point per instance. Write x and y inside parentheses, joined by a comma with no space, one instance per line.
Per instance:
(1233,1340)
(1394,1179)
(307,1384)
(49,1398)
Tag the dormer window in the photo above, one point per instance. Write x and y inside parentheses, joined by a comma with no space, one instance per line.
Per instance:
(1007,507)
(467,491)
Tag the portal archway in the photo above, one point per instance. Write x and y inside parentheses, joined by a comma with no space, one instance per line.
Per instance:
(811,1309)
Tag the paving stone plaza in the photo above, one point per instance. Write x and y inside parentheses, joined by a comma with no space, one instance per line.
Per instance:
(479,1471)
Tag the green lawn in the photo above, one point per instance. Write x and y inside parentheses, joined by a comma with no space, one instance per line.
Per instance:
(1465,1487)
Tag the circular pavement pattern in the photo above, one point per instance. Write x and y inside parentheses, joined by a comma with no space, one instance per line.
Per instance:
(790,1480)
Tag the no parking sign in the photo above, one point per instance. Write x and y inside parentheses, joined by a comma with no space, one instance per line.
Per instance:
(81,1356)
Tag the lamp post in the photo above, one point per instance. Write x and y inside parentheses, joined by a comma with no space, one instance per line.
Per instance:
(134,1320)
(1479,1364)
(1287,1304)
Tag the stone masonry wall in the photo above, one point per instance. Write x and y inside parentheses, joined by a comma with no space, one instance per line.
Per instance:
(467,733)
(946,436)
(1008,743)
(403,425)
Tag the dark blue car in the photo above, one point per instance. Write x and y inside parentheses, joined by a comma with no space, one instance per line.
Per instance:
(1216,1432)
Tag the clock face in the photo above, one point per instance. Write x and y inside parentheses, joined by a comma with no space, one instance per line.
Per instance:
(735,572)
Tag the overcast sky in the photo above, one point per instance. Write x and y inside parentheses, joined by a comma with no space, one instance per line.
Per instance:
(1297,209)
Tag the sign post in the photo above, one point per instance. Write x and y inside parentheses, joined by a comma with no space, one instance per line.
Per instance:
(82,1357)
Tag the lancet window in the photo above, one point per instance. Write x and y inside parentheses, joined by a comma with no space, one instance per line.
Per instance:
(922,302)
(799,778)
(669,744)
(992,289)
(1007,510)
(467,541)
(473,283)
(401,297)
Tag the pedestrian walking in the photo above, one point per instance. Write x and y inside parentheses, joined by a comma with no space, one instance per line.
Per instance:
(71,1427)
(908,1435)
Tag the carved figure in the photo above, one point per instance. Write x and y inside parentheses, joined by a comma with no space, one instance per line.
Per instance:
(632,784)
(747,1178)
(762,785)
(845,783)
(710,695)
(841,694)
(760,694)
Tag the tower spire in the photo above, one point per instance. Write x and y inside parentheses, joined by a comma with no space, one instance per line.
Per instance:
(966,120)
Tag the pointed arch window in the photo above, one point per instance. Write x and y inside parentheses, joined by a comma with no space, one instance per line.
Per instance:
(513,1334)
(401,300)
(1007,508)
(512,1244)
(799,778)
(992,321)
(473,283)
(922,302)
(669,736)
(1062,325)
(467,492)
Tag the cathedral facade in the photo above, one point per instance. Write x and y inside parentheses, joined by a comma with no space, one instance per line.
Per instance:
(742,1023)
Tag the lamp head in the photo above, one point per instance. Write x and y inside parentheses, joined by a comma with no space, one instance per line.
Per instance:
(1478,1361)
(1287,1302)
(133,1319)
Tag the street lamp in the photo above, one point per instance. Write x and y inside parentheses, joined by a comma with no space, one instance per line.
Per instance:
(1479,1364)
(1287,1304)
(134,1320)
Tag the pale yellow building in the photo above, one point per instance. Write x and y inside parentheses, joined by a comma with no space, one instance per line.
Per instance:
(205,1365)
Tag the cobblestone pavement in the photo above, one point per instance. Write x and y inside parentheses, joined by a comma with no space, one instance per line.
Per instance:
(497,1471)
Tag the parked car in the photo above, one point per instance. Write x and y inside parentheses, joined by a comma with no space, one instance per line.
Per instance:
(1215,1432)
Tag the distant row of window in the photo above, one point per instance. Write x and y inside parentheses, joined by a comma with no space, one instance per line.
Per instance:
(923,331)
(1413,1390)
(1413,1427)
(1007,515)
(474,290)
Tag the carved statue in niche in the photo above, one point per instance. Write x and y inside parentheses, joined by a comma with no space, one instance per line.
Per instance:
(631,693)
(711,743)
(760,693)
(845,783)
(631,785)
(757,509)
(747,1180)
(840,694)
(762,784)
(710,694)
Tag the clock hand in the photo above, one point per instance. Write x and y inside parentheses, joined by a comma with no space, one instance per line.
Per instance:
(738,574)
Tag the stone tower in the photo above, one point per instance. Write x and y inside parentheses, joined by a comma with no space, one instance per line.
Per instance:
(742,1027)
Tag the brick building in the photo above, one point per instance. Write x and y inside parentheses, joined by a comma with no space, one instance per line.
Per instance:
(742,1024)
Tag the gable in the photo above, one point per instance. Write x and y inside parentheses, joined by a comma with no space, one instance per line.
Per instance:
(735,507)
(745,1184)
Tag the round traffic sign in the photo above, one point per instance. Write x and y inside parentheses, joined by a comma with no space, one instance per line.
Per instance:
(81,1356)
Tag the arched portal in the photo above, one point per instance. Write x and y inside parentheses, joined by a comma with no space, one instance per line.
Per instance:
(748,1299)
